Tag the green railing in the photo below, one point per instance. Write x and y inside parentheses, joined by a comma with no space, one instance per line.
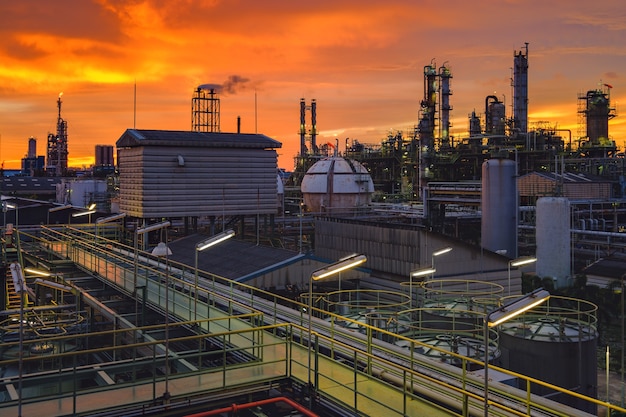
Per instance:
(411,373)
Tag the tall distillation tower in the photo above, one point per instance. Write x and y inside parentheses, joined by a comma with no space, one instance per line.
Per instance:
(595,110)
(310,133)
(205,108)
(520,90)
(56,157)
(435,84)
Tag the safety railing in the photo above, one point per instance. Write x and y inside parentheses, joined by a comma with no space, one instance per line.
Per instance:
(363,348)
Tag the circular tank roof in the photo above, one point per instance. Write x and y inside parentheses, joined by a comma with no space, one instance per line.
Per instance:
(348,176)
(336,183)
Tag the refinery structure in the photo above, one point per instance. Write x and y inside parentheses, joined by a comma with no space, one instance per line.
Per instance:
(425,275)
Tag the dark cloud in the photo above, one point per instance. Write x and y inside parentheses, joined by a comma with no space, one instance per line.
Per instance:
(22,51)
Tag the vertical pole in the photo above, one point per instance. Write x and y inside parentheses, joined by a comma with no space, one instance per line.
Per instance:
(301,203)
(195,306)
(21,347)
(509,278)
(410,290)
(607,374)
(166,394)
(309,388)
(622,321)
(135,267)
(432,265)
(486,337)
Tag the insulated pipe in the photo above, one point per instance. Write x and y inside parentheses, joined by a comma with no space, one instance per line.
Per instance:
(236,407)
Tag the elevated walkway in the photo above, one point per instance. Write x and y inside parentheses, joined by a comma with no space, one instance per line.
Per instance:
(354,371)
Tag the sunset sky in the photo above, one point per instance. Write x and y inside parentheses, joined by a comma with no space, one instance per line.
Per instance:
(361,60)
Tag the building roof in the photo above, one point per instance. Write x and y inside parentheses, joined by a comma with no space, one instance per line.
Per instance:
(182,138)
(607,268)
(569,177)
(231,259)
(29,185)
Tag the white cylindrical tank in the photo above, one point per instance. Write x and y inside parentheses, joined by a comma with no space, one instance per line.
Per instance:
(499,206)
(335,184)
(553,239)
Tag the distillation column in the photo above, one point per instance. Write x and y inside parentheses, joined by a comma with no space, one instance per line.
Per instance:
(56,158)
(520,90)
(444,127)
(310,134)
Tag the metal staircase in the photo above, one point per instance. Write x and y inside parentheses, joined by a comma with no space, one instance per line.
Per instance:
(11,253)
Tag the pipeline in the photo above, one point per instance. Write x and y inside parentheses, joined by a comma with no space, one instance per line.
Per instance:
(236,407)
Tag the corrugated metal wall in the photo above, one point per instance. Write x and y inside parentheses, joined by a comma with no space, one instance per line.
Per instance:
(400,249)
(534,185)
(165,181)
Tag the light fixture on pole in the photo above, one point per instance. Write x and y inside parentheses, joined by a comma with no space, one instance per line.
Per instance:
(138,232)
(4,212)
(162,250)
(438,252)
(417,274)
(332,269)
(503,314)
(141,231)
(205,244)
(300,215)
(57,208)
(108,219)
(519,262)
(84,213)
(17,217)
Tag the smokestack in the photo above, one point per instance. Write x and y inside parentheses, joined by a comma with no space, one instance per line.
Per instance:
(238,124)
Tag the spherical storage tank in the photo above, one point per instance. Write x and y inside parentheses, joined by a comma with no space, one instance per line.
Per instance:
(336,184)
(499,206)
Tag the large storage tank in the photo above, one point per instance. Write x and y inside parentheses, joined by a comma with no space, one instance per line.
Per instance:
(556,343)
(499,206)
(553,239)
(336,184)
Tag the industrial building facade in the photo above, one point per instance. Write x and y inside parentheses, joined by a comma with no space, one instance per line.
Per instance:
(192,174)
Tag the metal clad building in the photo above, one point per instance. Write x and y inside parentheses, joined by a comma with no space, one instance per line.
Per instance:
(182,173)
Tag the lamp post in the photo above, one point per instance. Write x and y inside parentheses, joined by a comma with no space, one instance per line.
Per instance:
(14,207)
(436,253)
(300,215)
(162,250)
(58,208)
(108,219)
(503,314)
(417,274)
(519,262)
(4,212)
(205,244)
(332,269)
(84,213)
(141,231)
(622,321)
